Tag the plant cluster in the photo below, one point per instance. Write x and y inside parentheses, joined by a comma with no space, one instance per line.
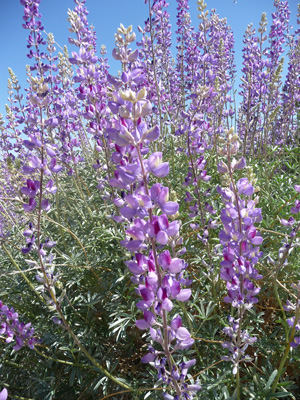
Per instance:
(149,227)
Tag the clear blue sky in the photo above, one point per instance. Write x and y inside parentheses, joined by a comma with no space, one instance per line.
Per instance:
(106,16)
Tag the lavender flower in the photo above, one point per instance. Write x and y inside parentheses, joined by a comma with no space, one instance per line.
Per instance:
(158,275)
(12,328)
(294,321)
(240,240)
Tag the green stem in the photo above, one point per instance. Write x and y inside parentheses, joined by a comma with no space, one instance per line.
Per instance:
(238,385)
(80,192)
(280,305)
(60,361)
(95,362)
(297,316)
(58,216)
(287,350)
(22,273)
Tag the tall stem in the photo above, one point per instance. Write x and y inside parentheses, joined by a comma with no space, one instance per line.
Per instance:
(287,349)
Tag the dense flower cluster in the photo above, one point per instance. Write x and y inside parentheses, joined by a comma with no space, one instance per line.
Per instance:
(145,209)
(13,329)
(240,240)
(266,115)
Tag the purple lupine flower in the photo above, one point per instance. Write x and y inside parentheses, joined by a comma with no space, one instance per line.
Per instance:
(31,206)
(156,166)
(294,321)
(14,329)
(240,240)
(157,274)
(291,221)
(31,189)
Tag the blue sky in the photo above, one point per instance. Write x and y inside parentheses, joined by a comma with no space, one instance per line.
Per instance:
(106,16)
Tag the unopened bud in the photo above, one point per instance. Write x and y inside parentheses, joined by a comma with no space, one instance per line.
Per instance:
(141,94)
